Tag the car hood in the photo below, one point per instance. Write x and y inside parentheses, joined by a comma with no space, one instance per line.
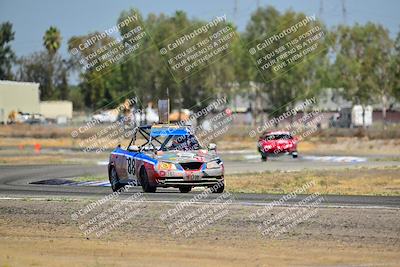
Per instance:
(187,156)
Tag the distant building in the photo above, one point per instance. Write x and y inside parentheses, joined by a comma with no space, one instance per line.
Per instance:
(56,109)
(18,97)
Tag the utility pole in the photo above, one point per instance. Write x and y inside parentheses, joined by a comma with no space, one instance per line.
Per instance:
(344,12)
(321,8)
(235,9)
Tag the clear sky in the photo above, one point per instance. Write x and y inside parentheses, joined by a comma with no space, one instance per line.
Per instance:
(31,18)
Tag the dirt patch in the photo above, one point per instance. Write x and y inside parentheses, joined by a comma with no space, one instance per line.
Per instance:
(42,233)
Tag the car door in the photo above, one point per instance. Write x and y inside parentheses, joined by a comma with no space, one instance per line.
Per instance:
(125,163)
(130,168)
(124,166)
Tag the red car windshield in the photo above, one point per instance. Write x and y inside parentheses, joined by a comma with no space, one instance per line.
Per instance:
(278,137)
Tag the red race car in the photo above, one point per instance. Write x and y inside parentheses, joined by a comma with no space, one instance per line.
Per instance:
(278,142)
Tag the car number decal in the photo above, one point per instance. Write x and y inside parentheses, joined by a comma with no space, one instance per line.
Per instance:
(131,166)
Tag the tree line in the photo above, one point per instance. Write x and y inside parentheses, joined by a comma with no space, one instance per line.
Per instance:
(363,60)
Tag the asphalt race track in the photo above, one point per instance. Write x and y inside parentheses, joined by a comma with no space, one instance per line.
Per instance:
(15,183)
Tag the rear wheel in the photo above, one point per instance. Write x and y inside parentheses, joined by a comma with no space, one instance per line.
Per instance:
(185,189)
(145,182)
(114,179)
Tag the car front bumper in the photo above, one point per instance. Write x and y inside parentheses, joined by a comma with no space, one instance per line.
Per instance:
(176,178)
(180,181)
(282,150)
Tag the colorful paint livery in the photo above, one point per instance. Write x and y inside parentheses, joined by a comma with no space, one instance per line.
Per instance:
(170,157)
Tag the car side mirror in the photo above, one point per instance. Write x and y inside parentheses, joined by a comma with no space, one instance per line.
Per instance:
(212,146)
(133,148)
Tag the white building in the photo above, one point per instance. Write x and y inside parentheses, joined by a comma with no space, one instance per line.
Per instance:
(18,97)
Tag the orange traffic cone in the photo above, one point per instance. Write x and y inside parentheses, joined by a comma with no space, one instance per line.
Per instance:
(37,147)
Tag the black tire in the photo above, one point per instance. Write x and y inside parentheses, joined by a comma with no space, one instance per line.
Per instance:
(144,180)
(295,156)
(264,156)
(185,189)
(220,189)
(114,179)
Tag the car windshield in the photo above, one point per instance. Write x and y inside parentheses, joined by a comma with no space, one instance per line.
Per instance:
(278,137)
(181,142)
(168,138)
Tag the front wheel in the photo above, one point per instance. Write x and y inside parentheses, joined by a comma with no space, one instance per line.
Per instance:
(146,183)
(218,188)
(264,156)
(185,189)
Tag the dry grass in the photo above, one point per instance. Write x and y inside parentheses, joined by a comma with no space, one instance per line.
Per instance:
(29,157)
(377,131)
(33,159)
(44,142)
(331,141)
(351,146)
(332,146)
(35,131)
(362,181)
(59,142)
(376,140)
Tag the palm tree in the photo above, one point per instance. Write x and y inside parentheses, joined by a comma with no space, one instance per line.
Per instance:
(52,40)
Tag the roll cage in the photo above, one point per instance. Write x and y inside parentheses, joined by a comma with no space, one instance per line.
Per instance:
(152,141)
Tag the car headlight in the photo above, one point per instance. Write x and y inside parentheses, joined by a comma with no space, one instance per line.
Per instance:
(166,166)
(213,164)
